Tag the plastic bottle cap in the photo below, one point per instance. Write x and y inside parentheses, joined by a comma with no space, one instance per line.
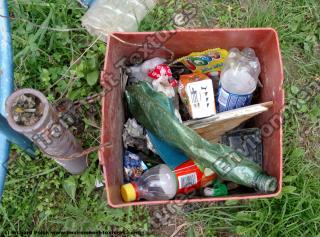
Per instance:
(128,193)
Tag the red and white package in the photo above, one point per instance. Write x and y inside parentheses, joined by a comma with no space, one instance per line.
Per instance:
(163,70)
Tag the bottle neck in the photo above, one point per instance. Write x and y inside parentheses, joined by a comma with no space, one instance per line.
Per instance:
(265,183)
(136,189)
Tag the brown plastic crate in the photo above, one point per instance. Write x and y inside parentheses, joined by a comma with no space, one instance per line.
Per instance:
(263,40)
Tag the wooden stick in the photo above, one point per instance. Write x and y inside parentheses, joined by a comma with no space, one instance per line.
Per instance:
(213,127)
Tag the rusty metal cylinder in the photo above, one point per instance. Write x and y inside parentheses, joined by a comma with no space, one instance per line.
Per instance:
(45,129)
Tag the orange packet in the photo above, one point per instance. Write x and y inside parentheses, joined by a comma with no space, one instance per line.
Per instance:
(196,92)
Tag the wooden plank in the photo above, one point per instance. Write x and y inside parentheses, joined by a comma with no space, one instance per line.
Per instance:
(213,127)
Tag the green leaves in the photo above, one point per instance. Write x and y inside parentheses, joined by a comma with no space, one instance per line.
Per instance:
(309,43)
(298,98)
(231,202)
(92,78)
(88,68)
(294,89)
(288,189)
(241,230)
(70,186)
(289,178)
(88,181)
(297,153)
(315,113)
(191,232)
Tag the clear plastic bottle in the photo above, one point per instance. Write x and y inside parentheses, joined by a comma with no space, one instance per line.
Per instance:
(158,183)
(239,79)
(106,16)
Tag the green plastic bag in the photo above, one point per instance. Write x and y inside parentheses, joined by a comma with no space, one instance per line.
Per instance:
(150,109)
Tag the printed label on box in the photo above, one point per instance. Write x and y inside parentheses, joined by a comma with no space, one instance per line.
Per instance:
(201,98)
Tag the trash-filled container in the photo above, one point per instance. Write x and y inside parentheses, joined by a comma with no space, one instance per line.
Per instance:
(126,48)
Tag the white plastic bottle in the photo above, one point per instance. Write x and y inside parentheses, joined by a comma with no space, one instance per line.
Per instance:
(158,183)
(239,79)
(106,16)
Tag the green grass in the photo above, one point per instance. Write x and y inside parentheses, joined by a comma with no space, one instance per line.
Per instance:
(41,196)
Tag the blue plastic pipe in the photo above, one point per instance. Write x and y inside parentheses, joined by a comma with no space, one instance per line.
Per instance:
(15,137)
(86,3)
(6,84)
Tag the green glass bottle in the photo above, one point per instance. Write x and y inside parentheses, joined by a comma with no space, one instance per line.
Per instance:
(151,109)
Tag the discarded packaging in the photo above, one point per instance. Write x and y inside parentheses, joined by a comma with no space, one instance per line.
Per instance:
(105,16)
(157,183)
(218,189)
(27,110)
(246,141)
(196,92)
(160,76)
(239,79)
(209,62)
(179,69)
(141,72)
(170,155)
(162,80)
(160,70)
(191,177)
(163,70)
(133,129)
(150,109)
(214,127)
(133,166)
(150,145)
(134,136)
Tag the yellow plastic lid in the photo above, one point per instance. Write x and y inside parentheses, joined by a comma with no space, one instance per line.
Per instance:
(128,193)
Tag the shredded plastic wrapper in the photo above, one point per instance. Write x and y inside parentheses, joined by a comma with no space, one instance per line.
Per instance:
(150,109)
(134,135)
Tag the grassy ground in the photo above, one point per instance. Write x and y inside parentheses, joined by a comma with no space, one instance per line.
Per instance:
(41,196)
